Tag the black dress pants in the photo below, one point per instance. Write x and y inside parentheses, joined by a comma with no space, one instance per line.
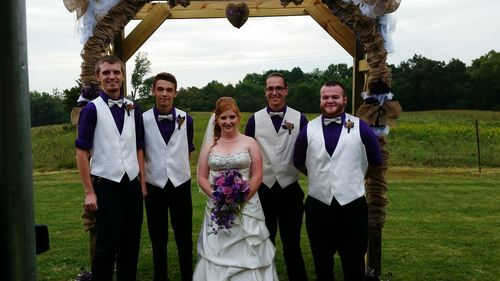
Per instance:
(119,222)
(158,203)
(338,228)
(284,207)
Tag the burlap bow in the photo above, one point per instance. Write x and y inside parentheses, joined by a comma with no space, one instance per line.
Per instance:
(380,114)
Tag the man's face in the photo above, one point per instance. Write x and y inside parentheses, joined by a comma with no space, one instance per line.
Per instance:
(332,101)
(111,77)
(276,92)
(164,92)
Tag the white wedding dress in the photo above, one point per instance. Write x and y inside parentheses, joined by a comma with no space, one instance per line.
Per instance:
(245,253)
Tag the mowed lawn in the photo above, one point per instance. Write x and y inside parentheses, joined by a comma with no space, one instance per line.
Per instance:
(442,224)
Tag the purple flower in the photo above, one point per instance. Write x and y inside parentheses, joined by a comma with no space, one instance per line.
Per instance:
(230,192)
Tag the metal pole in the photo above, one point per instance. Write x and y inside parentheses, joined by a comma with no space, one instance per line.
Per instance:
(17,236)
(478,147)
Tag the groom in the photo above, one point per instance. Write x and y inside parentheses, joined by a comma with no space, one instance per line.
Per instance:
(275,128)
(168,138)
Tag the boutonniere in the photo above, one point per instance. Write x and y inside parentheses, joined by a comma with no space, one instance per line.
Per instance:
(349,125)
(288,126)
(129,107)
(180,121)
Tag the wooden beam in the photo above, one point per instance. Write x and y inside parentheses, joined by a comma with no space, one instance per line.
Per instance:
(363,65)
(217,9)
(331,24)
(358,77)
(155,17)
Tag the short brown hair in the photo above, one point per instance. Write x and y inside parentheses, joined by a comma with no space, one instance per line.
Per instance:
(333,83)
(277,74)
(111,60)
(165,76)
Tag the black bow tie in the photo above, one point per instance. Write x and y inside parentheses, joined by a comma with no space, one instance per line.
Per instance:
(328,121)
(168,117)
(279,113)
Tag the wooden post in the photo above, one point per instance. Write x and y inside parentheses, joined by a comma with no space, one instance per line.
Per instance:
(478,147)
(358,77)
(17,216)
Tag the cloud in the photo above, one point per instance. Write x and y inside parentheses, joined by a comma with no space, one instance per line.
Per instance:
(199,51)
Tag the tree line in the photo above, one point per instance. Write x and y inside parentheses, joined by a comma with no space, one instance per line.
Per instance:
(418,83)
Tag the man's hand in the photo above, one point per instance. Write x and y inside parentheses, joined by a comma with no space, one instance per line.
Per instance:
(91,202)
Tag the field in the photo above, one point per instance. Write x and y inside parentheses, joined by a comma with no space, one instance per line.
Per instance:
(421,139)
(442,219)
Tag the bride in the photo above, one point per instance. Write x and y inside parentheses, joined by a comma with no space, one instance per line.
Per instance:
(244,252)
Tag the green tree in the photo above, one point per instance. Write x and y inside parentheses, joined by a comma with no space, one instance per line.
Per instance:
(70,97)
(141,69)
(422,79)
(458,86)
(485,73)
(47,109)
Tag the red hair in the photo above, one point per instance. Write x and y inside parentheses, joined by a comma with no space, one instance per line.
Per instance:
(222,105)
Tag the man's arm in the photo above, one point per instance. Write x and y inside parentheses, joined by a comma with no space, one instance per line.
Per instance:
(250,127)
(139,139)
(142,172)
(303,121)
(190,133)
(83,164)
(300,152)
(372,146)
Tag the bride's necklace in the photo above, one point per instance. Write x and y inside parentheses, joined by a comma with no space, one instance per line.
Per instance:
(234,139)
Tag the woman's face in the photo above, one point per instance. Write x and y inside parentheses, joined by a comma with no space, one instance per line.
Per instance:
(228,121)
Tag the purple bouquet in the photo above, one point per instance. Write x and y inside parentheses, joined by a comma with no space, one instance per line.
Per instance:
(230,192)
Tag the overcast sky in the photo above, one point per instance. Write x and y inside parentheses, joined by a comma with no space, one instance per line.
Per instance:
(199,51)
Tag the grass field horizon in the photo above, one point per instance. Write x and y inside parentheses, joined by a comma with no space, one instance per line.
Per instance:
(442,218)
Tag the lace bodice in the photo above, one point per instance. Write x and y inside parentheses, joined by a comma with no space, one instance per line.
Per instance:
(239,161)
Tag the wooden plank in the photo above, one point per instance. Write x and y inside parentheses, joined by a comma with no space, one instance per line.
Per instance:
(217,9)
(339,32)
(363,65)
(358,78)
(155,17)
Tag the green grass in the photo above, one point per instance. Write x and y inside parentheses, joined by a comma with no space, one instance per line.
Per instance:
(445,139)
(442,224)
(442,221)
(429,138)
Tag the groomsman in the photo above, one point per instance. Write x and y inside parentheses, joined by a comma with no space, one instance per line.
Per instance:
(110,133)
(335,150)
(275,128)
(168,137)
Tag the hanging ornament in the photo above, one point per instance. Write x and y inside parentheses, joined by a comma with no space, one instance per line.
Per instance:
(237,14)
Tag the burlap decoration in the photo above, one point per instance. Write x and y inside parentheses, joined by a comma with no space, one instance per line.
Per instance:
(104,34)
(75,115)
(80,6)
(365,29)
(376,187)
(379,115)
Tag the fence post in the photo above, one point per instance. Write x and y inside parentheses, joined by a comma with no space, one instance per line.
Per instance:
(478,146)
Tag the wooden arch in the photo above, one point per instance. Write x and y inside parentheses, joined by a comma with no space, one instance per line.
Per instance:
(344,22)
(152,15)
(341,19)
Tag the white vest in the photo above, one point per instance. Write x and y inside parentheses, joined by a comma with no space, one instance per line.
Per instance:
(342,175)
(113,154)
(277,148)
(165,161)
